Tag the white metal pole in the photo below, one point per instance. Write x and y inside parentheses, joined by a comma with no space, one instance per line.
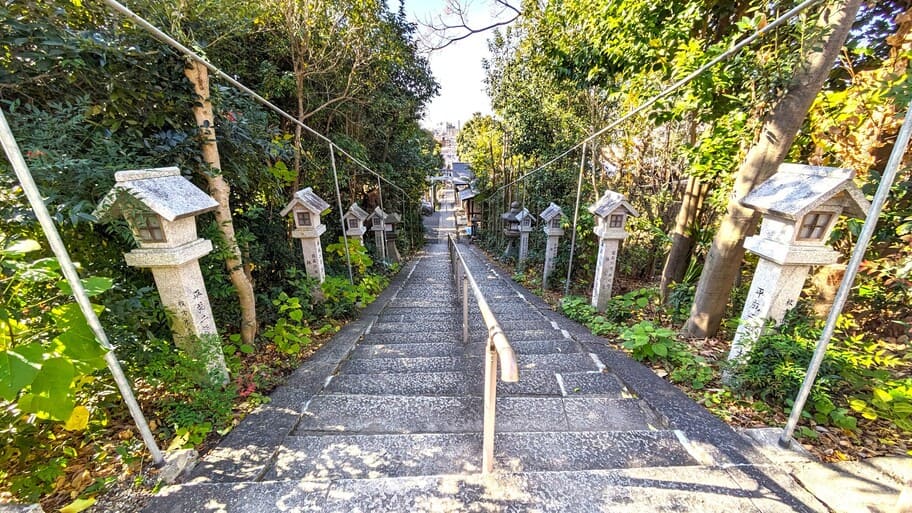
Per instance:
(579,192)
(842,295)
(348,260)
(14,155)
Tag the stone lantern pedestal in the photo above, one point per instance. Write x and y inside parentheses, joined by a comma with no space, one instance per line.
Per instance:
(392,252)
(611,212)
(551,219)
(380,227)
(800,205)
(525,228)
(161,206)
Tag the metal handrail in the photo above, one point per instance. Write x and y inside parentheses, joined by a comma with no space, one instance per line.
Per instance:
(497,349)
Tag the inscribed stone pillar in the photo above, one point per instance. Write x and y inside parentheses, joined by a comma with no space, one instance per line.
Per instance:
(379,227)
(392,222)
(551,218)
(606,262)
(773,292)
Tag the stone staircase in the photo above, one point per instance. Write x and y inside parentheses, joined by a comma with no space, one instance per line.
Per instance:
(388,417)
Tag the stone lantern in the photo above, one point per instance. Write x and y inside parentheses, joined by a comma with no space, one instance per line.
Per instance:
(306,208)
(611,212)
(517,225)
(380,227)
(525,228)
(392,252)
(161,206)
(800,204)
(354,223)
(551,225)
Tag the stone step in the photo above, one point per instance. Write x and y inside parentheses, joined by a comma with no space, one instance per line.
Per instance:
(445,336)
(520,314)
(454,315)
(419,325)
(428,302)
(374,456)
(451,384)
(635,490)
(573,362)
(518,334)
(408,350)
(405,365)
(403,414)
(425,294)
(593,384)
(564,346)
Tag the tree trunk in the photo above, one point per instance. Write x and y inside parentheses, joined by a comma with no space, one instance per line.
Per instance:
(779,130)
(221,191)
(682,241)
(298,135)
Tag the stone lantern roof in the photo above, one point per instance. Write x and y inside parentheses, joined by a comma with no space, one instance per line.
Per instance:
(309,200)
(393,218)
(796,189)
(163,190)
(523,214)
(380,220)
(378,216)
(609,202)
(550,213)
(511,215)
(468,193)
(358,212)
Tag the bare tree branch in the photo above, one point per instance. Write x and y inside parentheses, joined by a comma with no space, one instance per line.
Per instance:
(454,25)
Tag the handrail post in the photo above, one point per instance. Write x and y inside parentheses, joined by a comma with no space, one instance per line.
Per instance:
(490,407)
(465,310)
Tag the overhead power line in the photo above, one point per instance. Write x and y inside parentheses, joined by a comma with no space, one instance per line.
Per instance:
(170,41)
(670,89)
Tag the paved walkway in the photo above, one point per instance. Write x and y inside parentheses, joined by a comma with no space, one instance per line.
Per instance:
(387,417)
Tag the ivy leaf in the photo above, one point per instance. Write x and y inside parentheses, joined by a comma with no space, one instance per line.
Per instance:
(22,247)
(882,395)
(93,285)
(16,373)
(78,420)
(50,397)
(78,505)
(76,340)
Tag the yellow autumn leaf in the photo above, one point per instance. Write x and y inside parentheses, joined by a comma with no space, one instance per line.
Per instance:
(77,506)
(78,420)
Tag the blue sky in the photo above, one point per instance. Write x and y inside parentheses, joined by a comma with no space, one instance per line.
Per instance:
(457,67)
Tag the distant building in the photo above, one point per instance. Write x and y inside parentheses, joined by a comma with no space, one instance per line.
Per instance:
(446,134)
